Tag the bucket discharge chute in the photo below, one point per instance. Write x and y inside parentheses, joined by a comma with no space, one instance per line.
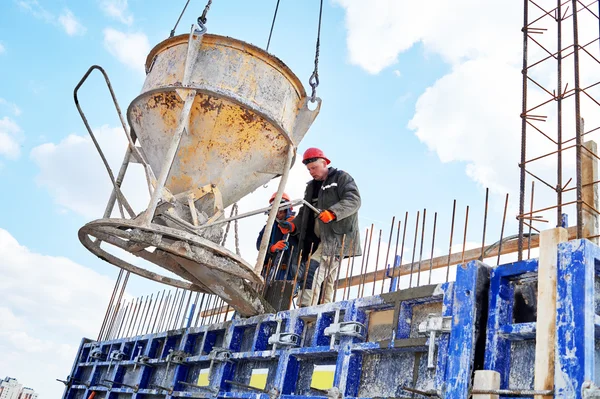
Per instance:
(216,119)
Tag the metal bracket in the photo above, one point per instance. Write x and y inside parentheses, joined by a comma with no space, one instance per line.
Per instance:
(589,390)
(220,355)
(435,324)
(96,353)
(176,357)
(117,355)
(142,360)
(285,339)
(347,329)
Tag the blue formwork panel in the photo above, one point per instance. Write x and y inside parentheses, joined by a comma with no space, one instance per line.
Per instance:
(375,347)
(577,320)
(510,344)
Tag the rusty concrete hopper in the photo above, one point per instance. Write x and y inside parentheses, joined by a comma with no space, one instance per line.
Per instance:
(216,119)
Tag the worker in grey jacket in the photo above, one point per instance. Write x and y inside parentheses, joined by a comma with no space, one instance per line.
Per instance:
(335,193)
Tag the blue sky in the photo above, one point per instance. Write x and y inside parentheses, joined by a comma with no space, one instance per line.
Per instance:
(421,106)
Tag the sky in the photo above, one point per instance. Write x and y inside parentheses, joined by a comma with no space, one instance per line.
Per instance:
(421,104)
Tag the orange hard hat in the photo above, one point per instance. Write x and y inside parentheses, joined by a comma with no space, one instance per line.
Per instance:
(312,154)
(283,197)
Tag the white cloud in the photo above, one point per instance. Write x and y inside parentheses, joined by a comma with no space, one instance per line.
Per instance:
(67,20)
(397,72)
(117,9)
(13,107)
(73,172)
(471,114)
(70,24)
(10,137)
(130,49)
(47,307)
(34,7)
(456,30)
(460,129)
(2,48)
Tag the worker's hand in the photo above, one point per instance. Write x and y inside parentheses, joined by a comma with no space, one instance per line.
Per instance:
(327,216)
(286,227)
(279,246)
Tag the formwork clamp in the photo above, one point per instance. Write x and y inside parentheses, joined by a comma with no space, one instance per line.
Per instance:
(435,324)
(117,355)
(219,355)
(284,339)
(96,353)
(347,329)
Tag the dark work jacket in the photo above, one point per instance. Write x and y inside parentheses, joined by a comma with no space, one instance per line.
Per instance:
(277,235)
(339,194)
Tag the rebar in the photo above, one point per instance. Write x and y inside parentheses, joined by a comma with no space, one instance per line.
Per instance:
(376,263)
(432,247)
(414,251)
(421,250)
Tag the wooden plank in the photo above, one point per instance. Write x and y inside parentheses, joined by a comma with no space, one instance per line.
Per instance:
(486,380)
(589,175)
(546,304)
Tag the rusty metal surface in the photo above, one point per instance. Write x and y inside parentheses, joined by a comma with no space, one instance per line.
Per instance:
(216,119)
(248,108)
(203,265)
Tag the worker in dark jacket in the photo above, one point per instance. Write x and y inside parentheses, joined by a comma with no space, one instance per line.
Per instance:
(280,246)
(336,195)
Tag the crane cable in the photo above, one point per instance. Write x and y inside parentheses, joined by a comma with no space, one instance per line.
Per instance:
(272,25)
(313,81)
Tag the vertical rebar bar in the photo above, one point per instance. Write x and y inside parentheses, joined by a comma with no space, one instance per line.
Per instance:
(485,214)
(110,305)
(364,276)
(171,311)
(357,240)
(451,236)
(462,262)
(578,132)
(558,99)
(133,314)
(362,263)
(402,250)
(432,247)
(339,269)
(531,220)
(152,314)
(524,72)
(158,311)
(421,250)
(387,255)
(199,310)
(123,321)
(393,273)
(141,329)
(376,264)
(414,251)
(502,229)
(187,306)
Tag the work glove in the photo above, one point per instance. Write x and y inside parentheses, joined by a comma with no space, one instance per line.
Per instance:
(286,227)
(279,246)
(327,216)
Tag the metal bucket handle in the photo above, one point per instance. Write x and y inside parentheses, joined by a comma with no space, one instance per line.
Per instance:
(304,119)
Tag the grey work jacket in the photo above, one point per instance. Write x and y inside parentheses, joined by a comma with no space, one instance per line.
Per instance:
(339,194)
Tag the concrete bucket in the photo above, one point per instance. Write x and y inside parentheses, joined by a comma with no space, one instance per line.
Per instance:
(216,119)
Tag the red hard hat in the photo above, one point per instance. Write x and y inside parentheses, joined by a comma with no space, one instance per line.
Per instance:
(312,154)
(283,197)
